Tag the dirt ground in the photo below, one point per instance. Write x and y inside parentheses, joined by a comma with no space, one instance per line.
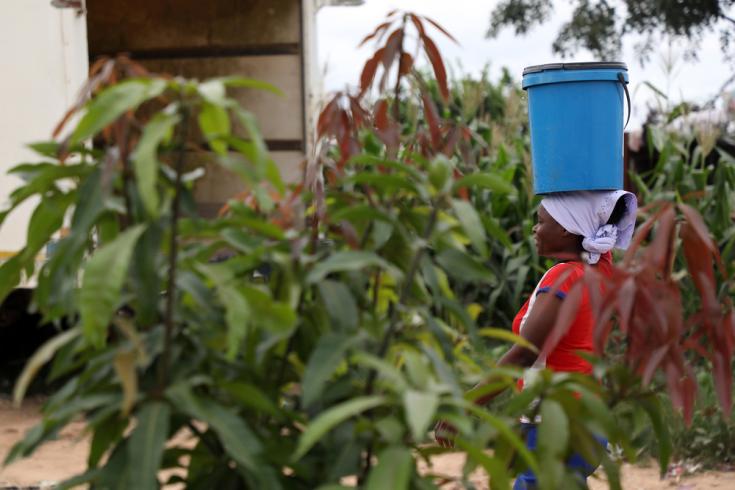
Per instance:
(66,456)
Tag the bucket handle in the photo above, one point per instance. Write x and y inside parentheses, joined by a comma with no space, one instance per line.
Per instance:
(621,79)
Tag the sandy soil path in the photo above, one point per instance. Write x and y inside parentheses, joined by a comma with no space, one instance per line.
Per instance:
(67,456)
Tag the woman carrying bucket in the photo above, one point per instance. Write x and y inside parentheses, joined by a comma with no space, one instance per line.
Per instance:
(580,219)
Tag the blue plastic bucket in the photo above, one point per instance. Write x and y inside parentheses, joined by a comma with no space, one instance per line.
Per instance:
(576,112)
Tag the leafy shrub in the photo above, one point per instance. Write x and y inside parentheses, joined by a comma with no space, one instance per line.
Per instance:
(336,332)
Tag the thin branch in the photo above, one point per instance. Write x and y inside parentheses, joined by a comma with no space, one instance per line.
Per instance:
(397,95)
(405,291)
(729,19)
(393,325)
(173,252)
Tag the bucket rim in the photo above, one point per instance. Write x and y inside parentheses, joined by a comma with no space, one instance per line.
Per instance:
(586,65)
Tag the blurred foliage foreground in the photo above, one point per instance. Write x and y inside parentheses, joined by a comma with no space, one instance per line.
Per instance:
(353,310)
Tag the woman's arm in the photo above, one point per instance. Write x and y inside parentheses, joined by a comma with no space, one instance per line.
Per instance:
(540,322)
(538,325)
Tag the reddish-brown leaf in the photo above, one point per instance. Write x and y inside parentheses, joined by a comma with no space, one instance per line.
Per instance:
(695,220)
(392,47)
(451,141)
(441,29)
(625,301)
(648,309)
(326,116)
(722,375)
(391,137)
(378,30)
(437,64)
(689,392)
(673,382)
(418,23)
(462,192)
(432,119)
(659,253)
(406,64)
(603,327)
(699,263)
(349,234)
(643,231)
(359,115)
(653,362)
(368,72)
(382,122)
(693,344)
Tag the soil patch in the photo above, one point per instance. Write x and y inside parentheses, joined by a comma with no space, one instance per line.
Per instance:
(67,455)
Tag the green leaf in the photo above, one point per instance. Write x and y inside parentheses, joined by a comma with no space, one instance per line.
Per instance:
(416,367)
(553,432)
(385,183)
(329,419)
(215,124)
(250,396)
(350,261)
(393,471)
(360,213)
(237,438)
(420,408)
(496,471)
(464,267)
(38,359)
(242,82)
(657,137)
(46,219)
(102,282)
(653,408)
(340,304)
(146,445)
(388,371)
(147,275)
(10,273)
(42,178)
(113,102)
(505,431)
(324,360)
(373,161)
(79,480)
(612,472)
(145,158)
(275,316)
(496,231)
(259,154)
(485,181)
(104,435)
(471,224)
(508,336)
(237,316)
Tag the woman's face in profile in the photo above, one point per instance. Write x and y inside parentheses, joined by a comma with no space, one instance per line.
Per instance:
(552,240)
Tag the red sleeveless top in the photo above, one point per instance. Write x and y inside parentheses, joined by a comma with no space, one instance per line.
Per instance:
(579,337)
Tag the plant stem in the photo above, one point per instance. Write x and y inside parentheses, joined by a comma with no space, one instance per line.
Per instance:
(121,128)
(173,252)
(393,325)
(397,90)
(405,291)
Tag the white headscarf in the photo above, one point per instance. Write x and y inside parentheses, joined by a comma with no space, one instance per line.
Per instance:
(586,213)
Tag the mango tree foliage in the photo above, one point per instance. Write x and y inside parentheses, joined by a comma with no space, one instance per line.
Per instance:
(334,333)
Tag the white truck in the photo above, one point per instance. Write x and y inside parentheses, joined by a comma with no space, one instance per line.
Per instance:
(46,47)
